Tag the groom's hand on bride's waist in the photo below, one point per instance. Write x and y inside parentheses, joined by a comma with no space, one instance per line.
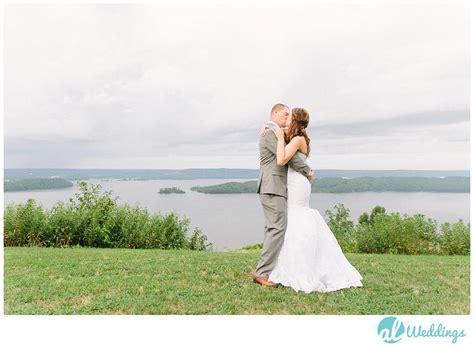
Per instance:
(311,175)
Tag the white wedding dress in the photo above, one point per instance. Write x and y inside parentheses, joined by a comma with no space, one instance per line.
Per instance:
(310,258)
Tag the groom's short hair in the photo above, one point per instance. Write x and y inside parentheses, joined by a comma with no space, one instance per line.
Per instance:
(278,107)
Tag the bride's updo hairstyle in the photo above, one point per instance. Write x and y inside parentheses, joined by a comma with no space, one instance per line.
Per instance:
(299,122)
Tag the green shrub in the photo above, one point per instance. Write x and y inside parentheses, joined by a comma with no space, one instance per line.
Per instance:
(24,224)
(380,232)
(418,236)
(342,227)
(131,226)
(372,234)
(94,219)
(455,239)
(198,241)
(384,233)
(63,226)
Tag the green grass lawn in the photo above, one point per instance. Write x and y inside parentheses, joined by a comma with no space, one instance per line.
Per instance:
(126,281)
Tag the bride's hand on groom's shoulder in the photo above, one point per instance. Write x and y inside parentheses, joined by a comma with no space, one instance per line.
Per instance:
(280,135)
(263,129)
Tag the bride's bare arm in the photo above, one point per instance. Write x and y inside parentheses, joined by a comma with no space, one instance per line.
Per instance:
(286,152)
(296,162)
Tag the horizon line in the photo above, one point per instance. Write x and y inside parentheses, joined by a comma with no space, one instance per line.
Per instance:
(183,169)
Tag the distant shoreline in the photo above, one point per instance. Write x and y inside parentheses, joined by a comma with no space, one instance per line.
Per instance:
(36,184)
(354,185)
(318,185)
(214,173)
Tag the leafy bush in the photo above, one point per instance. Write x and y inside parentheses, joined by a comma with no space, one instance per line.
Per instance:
(96,220)
(383,233)
(198,241)
(24,224)
(63,226)
(380,232)
(371,233)
(455,239)
(342,227)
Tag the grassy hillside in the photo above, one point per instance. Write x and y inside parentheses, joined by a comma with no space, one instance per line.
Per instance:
(130,281)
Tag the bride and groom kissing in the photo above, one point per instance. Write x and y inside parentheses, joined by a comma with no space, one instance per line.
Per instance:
(299,249)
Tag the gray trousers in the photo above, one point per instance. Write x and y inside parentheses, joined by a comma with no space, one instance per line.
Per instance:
(274,210)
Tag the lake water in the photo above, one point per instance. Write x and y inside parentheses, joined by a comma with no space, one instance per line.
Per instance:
(235,220)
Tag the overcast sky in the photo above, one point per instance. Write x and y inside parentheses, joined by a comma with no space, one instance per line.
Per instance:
(129,86)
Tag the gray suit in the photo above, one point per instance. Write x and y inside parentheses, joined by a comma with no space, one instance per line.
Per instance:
(273,193)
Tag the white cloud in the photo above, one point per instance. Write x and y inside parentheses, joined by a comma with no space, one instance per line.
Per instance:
(114,86)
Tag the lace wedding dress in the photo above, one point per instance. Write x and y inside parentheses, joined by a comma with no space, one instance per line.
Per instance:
(310,258)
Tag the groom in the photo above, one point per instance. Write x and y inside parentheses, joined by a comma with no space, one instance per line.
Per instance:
(273,193)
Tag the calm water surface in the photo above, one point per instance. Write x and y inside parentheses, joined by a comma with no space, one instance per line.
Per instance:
(235,220)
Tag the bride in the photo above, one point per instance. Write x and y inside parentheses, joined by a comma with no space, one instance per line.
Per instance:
(310,258)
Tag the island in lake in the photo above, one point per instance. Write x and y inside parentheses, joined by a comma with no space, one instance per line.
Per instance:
(167,190)
(360,184)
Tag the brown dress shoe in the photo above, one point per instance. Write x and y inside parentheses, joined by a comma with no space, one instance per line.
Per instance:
(263,280)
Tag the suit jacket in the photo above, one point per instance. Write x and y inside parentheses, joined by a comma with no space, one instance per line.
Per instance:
(272,179)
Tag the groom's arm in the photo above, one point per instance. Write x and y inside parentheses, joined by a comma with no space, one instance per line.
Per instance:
(299,165)
(296,162)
